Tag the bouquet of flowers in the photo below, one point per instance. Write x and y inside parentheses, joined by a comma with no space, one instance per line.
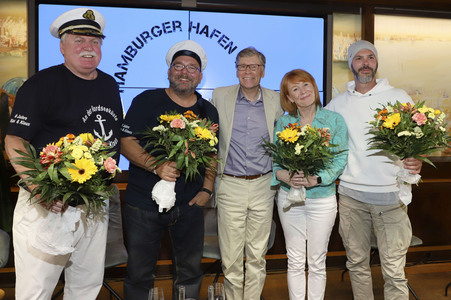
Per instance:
(407,130)
(305,149)
(76,168)
(185,139)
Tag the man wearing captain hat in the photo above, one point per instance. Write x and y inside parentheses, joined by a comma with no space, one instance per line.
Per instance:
(144,220)
(53,103)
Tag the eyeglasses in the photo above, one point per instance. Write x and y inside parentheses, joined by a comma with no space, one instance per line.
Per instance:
(252,67)
(189,68)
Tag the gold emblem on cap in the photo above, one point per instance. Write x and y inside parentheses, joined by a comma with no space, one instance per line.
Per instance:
(89,14)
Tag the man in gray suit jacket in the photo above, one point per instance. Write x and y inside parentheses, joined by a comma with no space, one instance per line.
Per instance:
(247,113)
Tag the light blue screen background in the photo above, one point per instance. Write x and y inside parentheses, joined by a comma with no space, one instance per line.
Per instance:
(288,42)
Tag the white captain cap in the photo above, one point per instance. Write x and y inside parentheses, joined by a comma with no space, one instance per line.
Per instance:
(82,21)
(187,48)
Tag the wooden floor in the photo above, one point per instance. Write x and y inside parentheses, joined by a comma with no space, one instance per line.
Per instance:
(427,280)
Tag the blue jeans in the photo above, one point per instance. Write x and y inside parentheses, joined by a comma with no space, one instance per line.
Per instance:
(144,231)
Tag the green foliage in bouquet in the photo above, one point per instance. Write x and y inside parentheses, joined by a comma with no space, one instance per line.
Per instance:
(407,130)
(76,168)
(303,148)
(185,139)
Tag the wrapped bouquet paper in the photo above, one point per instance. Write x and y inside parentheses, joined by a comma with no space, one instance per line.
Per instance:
(185,139)
(305,149)
(76,169)
(407,130)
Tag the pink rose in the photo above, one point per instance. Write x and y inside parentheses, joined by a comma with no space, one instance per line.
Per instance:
(177,123)
(110,165)
(419,118)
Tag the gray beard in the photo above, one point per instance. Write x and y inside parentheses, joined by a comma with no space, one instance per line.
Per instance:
(362,78)
(182,92)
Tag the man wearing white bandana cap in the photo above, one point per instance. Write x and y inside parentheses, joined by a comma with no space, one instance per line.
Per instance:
(74,97)
(368,191)
(145,219)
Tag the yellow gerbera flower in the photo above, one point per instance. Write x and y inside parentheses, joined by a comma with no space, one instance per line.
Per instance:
(289,135)
(85,169)
(169,118)
(202,133)
(87,137)
(392,121)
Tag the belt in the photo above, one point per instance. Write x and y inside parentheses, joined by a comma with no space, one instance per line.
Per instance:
(247,177)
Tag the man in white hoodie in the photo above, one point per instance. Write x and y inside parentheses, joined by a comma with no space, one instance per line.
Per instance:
(368,191)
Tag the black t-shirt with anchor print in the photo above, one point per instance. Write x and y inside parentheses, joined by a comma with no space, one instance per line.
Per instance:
(55,102)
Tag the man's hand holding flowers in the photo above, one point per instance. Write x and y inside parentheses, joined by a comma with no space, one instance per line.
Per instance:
(181,143)
(168,171)
(412,164)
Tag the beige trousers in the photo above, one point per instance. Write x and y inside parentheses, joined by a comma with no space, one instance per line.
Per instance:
(244,222)
(393,231)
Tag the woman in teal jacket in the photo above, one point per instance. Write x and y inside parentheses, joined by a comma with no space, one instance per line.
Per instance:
(313,219)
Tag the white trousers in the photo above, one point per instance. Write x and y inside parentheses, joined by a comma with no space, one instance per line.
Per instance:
(244,223)
(37,273)
(307,228)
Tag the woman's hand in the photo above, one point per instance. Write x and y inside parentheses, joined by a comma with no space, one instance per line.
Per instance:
(297,180)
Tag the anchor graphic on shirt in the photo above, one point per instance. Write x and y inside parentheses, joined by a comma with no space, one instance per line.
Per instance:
(100,120)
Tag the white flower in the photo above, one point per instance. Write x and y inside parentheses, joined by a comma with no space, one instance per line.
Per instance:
(96,146)
(100,161)
(78,141)
(405,133)
(441,118)
(443,129)
(194,123)
(389,109)
(303,130)
(418,133)
(66,142)
(297,149)
(159,128)
(431,115)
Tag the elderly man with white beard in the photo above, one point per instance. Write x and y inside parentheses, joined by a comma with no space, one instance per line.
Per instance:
(51,104)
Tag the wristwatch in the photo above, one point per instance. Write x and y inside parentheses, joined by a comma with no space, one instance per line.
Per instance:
(319,180)
(210,193)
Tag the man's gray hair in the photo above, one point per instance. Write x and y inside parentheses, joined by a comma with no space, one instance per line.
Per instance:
(250,51)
